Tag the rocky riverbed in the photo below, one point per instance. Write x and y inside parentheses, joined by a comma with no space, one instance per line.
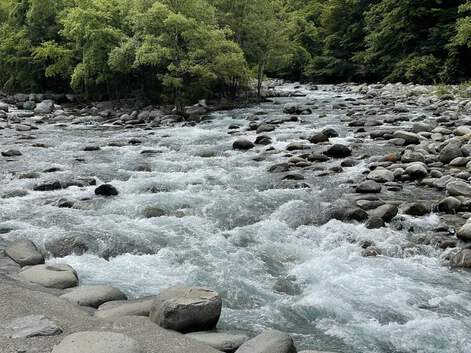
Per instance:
(336,214)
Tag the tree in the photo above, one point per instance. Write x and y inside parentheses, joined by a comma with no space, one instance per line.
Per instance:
(463,36)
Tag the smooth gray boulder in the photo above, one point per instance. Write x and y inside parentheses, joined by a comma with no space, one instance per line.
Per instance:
(186,309)
(417,170)
(58,276)
(381,175)
(464,233)
(45,107)
(97,342)
(222,341)
(135,307)
(458,188)
(450,152)
(385,212)
(29,326)
(368,186)
(93,295)
(270,341)
(24,253)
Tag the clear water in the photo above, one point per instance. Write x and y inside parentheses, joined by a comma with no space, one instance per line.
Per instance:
(231,225)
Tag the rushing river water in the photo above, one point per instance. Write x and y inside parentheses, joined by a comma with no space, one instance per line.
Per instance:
(232,226)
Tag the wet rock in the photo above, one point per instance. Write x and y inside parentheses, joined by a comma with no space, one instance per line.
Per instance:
(279,168)
(410,157)
(293,176)
(222,341)
(242,144)
(93,295)
(50,186)
(386,212)
(450,152)
(11,153)
(409,137)
(458,188)
(462,259)
(449,205)
(349,162)
(287,285)
(368,186)
(296,109)
(375,223)
(106,190)
(135,307)
(263,140)
(58,276)
(318,137)
(416,209)
(270,341)
(24,253)
(371,251)
(97,342)
(330,132)
(417,171)
(153,212)
(265,128)
(346,214)
(14,193)
(295,146)
(91,148)
(65,246)
(29,326)
(381,175)
(338,151)
(186,309)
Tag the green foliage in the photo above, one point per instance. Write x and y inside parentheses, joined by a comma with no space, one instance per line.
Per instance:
(182,50)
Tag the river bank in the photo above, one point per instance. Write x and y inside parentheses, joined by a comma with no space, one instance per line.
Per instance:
(333,213)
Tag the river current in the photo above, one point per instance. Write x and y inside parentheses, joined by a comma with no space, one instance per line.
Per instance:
(231,225)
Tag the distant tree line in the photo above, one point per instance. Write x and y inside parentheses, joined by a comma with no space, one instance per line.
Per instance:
(180,50)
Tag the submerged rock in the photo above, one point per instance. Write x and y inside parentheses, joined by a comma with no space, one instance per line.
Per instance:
(106,190)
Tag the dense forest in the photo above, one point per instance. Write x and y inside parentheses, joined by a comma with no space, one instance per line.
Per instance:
(179,50)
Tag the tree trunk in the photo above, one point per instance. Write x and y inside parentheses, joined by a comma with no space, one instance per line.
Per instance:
(261,68)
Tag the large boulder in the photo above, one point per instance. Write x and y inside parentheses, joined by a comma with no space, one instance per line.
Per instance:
(222,341)
(186,309)
(45,107)
(97,342)
(24,253)
(59,276)
(93,295)
(458,188)
(449,204)
(338,151)
(29,326)
(270,341)
(318,137)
